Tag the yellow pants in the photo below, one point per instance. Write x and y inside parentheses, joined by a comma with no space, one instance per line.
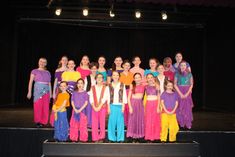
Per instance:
(169,122)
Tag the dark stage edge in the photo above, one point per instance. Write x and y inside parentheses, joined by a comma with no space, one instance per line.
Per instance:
(65,149)
(28,142)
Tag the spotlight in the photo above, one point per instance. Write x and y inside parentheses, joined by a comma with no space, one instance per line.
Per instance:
(164,15)
(137,14)
(85,12)
(58,11)
(111,13)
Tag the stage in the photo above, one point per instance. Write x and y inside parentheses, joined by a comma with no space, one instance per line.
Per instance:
(213,131)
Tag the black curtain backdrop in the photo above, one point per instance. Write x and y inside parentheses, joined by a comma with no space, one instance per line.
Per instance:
(40,39)
(209,50)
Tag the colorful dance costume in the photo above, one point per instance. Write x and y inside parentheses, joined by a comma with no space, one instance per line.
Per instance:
(127,81)
(184,112)
(152,118)
(104,73)
(137,70)
(84,72)
(170,73)
(116,119)
(99,95)
(89,82)
(71,78)
(41,94)
(61,126)
(161,81)
(78,122)
(135,127)
(148,71)
(58,75)
(169,121)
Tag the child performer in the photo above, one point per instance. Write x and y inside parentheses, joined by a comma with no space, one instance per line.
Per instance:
(153,63)
(137,69)
(58,73)
(178,59)
(184,86)
(169,69)
(152,109)
(59,108)
(90,79)
(62,67)
(161,77)
(117,66)
(41,92)
(99,98)
(84,69)
(101,67)
(169,104)
(78,122)
(70,76)
(116,108)
(126,77)
(135,127)
(89,82)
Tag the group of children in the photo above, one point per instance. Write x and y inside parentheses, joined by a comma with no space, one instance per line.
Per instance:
(150,103)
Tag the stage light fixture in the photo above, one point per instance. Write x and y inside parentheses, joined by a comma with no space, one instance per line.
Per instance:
(137,14)
(111,13)
(58,11)
(164,15)
(85,12)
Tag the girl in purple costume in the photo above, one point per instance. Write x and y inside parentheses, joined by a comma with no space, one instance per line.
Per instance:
(184,85)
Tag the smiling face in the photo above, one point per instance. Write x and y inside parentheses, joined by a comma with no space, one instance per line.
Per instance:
(126,66)
(64,61)
(167,62)
(93,70)
(178,57)
(118,61)
(101,61)
(85,60)
(42,63)
(183,66)
(80,84)
(136,61)
(115,76)
(63,86)
(150,78)
(169,86)
(71,65)
(99,78)
(152,64)
(160,69)
(137,78)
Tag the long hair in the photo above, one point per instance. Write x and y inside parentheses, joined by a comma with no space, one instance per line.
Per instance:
(60,64)
(76,88)
(114,65)
(133,82)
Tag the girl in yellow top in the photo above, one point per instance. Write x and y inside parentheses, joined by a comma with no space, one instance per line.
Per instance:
(70,76)
(61,123)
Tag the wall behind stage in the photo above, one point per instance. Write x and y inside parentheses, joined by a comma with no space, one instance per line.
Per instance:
(37,39)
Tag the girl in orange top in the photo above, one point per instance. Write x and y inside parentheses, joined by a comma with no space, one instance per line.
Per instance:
(59,108)
(126,77)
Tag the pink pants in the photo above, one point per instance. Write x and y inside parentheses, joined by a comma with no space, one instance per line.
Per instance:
(98,121)
(126,111)
(152,121)
(41,109)
(80,127)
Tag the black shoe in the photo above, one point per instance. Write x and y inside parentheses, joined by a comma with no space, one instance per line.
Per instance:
(38,125)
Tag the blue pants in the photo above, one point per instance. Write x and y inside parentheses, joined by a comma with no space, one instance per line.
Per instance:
(61,127)
(116,123)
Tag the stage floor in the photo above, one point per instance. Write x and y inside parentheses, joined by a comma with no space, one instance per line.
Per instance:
(203,120)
